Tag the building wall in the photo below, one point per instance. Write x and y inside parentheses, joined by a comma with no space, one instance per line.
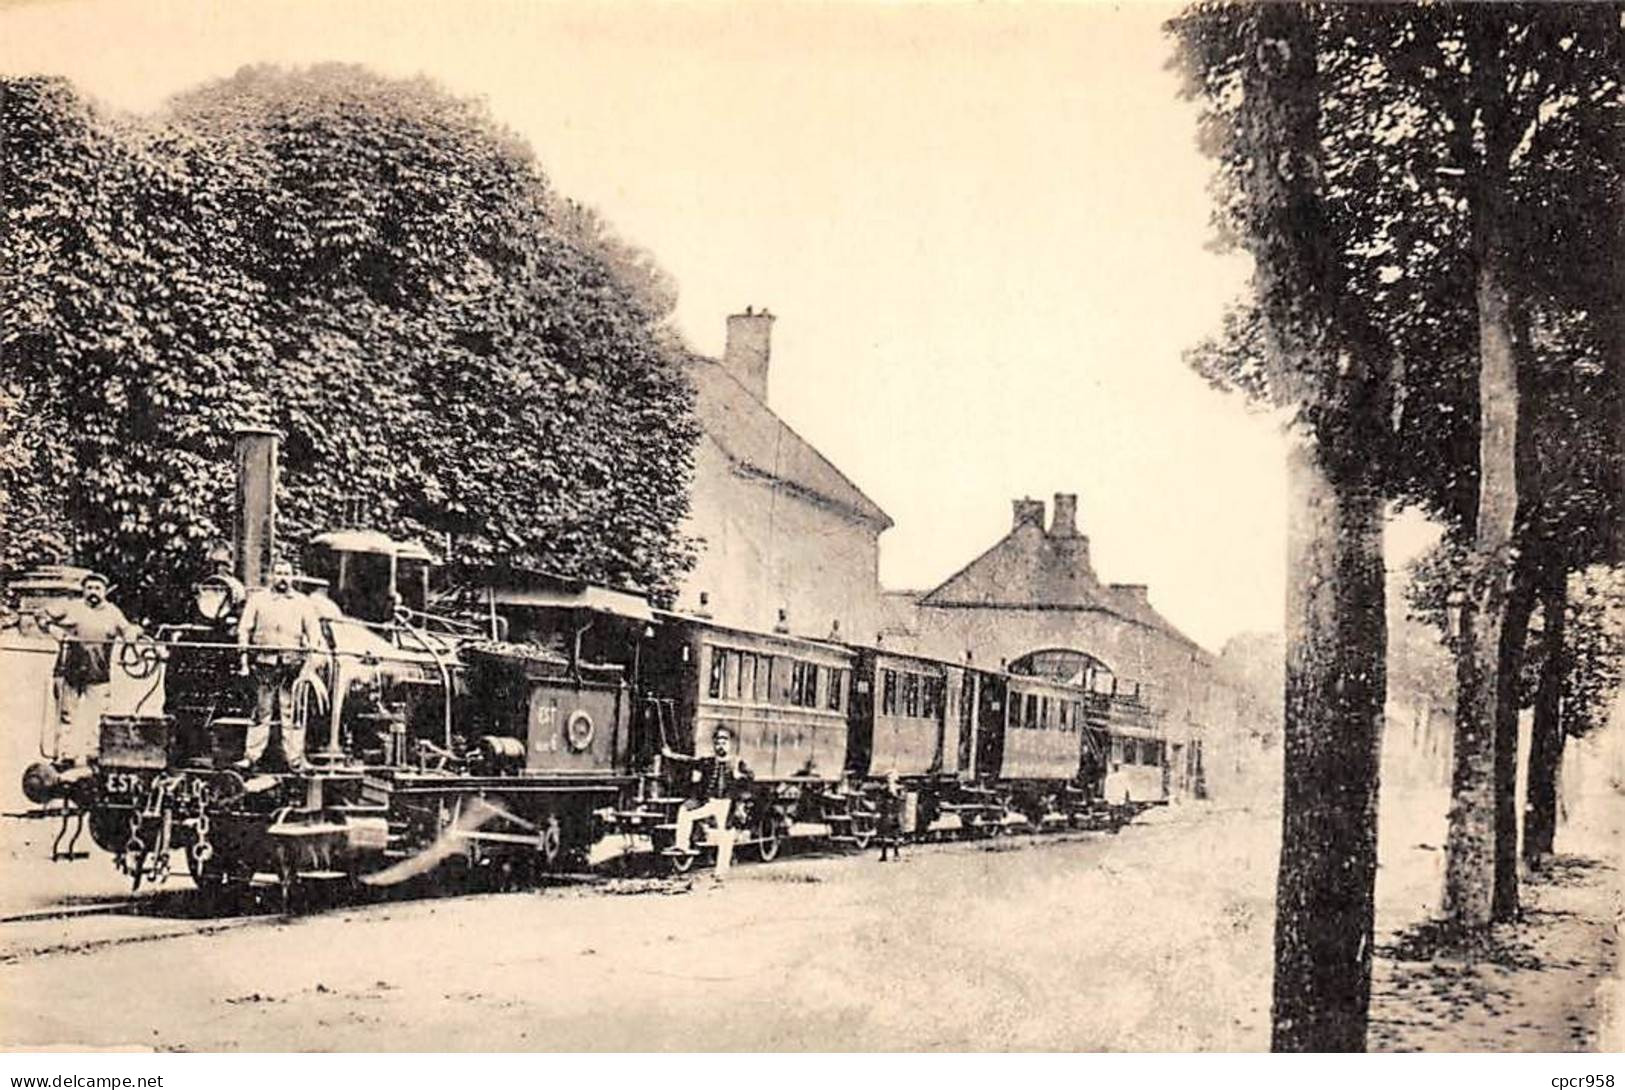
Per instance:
(1175,677)
(1182,684)
(768,547)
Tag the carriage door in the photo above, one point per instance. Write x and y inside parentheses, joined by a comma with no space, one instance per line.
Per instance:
(967,720)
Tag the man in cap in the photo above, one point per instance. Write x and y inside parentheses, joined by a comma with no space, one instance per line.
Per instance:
(277,629)
(84,666)
(711,785)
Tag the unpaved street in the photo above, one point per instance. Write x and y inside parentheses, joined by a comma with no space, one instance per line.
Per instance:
(1016,944)
(1157,939)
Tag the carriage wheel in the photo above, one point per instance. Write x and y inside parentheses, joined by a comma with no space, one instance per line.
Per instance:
(863,831)
(768,841)
(681,862)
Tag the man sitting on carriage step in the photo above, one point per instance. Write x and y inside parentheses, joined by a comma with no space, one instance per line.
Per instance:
(711,784)
(277,629)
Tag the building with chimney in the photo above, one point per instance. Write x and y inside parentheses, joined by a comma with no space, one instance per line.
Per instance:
(1034,601)
(786,539)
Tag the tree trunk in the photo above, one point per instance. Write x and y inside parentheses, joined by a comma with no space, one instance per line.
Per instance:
(1514,633)
(1470,842)
(1336,685)
(1470,845)
(1546,738)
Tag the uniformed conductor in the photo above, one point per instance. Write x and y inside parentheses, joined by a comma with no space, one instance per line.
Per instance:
(711,785)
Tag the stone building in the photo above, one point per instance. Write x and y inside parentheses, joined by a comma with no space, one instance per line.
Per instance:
(786,539)
(1036,593)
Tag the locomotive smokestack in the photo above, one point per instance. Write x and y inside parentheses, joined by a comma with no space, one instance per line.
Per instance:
(255,531)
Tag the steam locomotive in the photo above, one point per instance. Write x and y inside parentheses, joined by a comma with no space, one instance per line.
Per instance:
(532,728)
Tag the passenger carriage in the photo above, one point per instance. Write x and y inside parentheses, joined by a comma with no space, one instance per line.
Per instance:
(785,703)
(916,718)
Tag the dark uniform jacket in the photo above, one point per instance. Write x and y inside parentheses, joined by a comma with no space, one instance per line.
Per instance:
(715,777)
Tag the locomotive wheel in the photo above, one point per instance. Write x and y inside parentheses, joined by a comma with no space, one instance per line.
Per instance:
(552,842)
(213,878)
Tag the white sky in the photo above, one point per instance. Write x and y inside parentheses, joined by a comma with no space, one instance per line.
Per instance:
(981,228)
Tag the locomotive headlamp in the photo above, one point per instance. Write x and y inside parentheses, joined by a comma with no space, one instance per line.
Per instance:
(213,599)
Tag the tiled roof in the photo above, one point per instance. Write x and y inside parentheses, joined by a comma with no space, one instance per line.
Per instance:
(758,442)
(1030,569)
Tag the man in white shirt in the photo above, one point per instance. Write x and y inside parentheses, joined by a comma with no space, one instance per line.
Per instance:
(277,630)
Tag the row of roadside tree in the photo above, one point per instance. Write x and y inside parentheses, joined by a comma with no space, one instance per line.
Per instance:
(1434,200)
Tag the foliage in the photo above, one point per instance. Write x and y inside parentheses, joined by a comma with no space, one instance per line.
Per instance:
(372,267)
(1593,648)
(1401,152)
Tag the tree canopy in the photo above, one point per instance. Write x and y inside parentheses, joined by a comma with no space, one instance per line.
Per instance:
(372,267)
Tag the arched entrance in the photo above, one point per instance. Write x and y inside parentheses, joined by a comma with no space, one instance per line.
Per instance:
(1066,664)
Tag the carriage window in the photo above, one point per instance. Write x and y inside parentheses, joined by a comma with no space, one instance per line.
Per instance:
(1131,751)
(730,674)
(888,692)
(1030,720)
(1117,750)
(832,694)
(803,684)
(931,697)
(1043,713)
(967,696)
(778,680)
(764,670)
(911,695)
(714,689)
(746,688)
(1061,706)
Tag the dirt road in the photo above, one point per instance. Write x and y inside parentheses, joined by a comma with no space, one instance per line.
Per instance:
(1033,944)
(1156,939)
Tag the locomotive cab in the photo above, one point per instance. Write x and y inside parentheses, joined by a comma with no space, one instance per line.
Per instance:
(372,575)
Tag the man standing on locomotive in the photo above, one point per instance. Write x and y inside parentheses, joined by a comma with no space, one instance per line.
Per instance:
(277,630)
(711,785)
(92,624)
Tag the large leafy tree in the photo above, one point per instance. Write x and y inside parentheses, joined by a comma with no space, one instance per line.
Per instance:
(379,271)
(1304,344)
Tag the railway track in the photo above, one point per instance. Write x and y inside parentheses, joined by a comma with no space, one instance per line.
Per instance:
(186,911)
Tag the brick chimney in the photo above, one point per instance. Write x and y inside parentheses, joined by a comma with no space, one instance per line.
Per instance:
(1064,522)
(1136,591)
(748,349)
(1025,511)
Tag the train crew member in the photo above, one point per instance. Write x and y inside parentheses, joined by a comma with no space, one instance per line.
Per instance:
(1090,771)
(322,607)
(92,624)
(711,785)
(890,831)
(277,629)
